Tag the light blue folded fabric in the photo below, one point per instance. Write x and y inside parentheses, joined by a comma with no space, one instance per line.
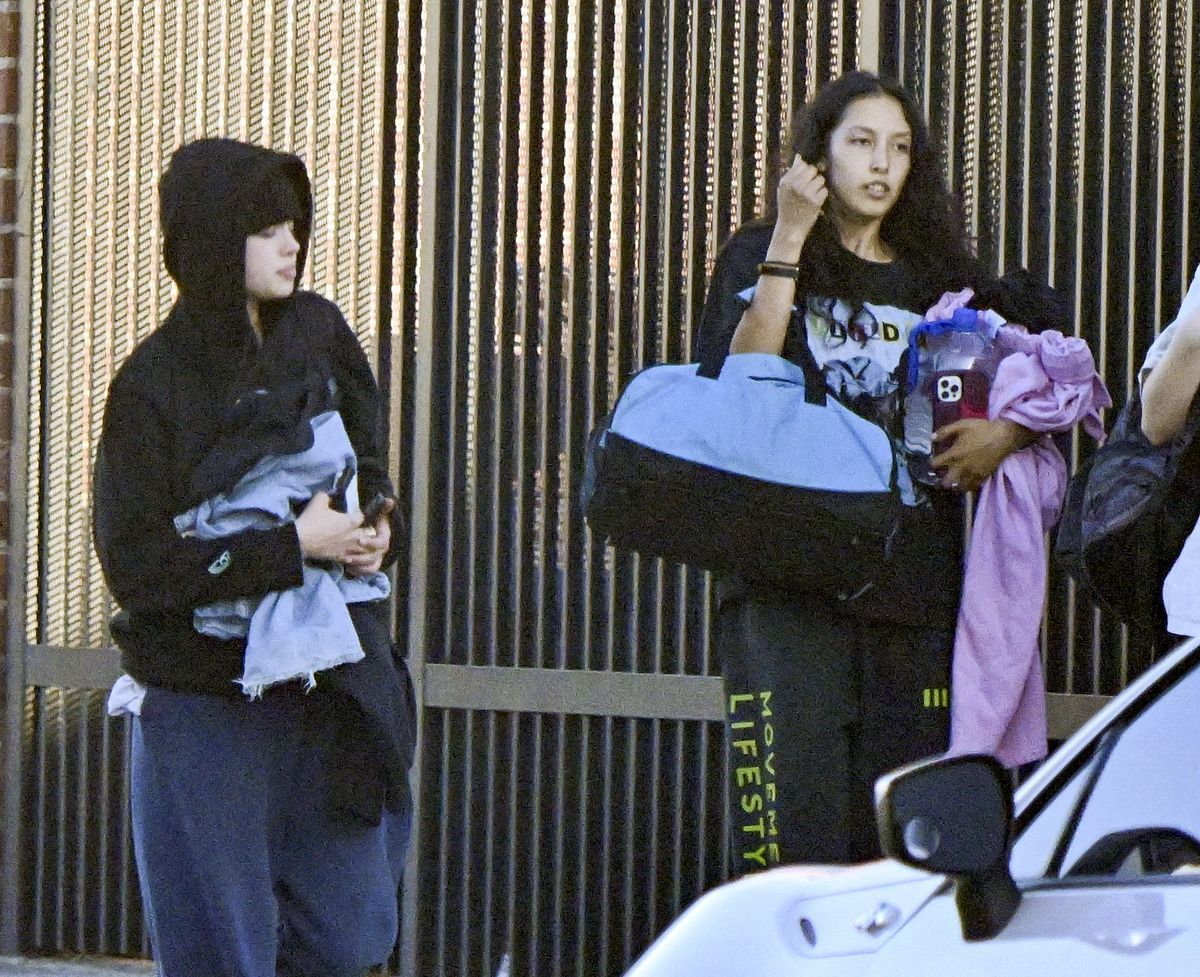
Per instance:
(298,632)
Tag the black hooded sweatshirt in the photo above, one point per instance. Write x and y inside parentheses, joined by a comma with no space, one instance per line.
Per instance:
(175,402)
(191,410)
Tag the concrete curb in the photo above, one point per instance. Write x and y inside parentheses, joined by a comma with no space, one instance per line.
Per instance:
(73,967)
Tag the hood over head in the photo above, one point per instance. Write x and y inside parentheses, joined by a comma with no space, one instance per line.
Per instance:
(213,195)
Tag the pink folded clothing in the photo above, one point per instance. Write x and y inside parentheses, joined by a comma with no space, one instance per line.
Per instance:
(998,704)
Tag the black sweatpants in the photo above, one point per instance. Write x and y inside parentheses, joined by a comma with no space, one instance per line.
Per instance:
(818,705)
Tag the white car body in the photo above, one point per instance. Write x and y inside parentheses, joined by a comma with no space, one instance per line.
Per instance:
(1132,770)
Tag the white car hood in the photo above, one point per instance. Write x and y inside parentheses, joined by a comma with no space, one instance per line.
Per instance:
(819,913)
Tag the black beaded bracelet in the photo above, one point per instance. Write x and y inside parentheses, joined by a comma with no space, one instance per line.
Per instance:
(780,269)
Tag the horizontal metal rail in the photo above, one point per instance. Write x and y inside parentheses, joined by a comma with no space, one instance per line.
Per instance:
(549,691)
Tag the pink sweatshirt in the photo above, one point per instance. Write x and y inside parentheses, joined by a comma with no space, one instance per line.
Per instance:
(998,702)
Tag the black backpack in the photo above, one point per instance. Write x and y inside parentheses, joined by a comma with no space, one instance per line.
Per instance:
(1128,512)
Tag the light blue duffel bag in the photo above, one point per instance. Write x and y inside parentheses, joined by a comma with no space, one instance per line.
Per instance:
(758,472)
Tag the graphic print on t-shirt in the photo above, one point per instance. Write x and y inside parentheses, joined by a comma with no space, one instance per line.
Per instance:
(858,348)
(839,333)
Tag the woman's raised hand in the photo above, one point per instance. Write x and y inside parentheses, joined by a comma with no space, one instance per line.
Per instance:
(801,195)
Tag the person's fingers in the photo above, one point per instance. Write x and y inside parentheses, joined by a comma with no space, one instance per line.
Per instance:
(323,532)
(363,564)
(799,165)
(370,542)
(945,459)
(383,533)
(363,541)
(800,175)
(951,430)
(807,188)
(383,522)
(957,476)
(955,481)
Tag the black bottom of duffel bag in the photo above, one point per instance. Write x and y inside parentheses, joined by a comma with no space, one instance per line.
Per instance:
(819,541)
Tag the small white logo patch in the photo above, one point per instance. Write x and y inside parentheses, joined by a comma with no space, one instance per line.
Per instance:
(220,564)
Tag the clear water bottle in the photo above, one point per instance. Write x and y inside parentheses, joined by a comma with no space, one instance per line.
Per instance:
(951,367)
(918,434)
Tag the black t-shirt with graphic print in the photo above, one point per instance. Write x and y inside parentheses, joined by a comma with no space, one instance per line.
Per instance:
(857,339)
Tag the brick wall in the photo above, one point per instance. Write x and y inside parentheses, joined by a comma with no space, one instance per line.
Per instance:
(9,53)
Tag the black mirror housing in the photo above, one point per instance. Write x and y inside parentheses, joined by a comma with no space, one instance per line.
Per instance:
(953,815)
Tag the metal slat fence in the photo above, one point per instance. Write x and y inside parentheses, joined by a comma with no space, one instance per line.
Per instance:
(595,156)
(521,200)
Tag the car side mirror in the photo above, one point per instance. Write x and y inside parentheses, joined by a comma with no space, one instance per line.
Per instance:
(953,815)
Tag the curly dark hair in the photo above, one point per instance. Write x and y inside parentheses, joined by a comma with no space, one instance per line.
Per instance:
(925,226)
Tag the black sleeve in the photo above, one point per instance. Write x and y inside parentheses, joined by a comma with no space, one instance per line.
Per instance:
(733,272)
(362,413)
(149,567)
(1023,298)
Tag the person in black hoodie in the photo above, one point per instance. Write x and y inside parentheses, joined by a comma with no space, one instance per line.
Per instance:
(269,834)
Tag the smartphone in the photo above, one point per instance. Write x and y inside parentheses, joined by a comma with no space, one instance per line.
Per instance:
(337,495)
(373,508)
(957,395)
